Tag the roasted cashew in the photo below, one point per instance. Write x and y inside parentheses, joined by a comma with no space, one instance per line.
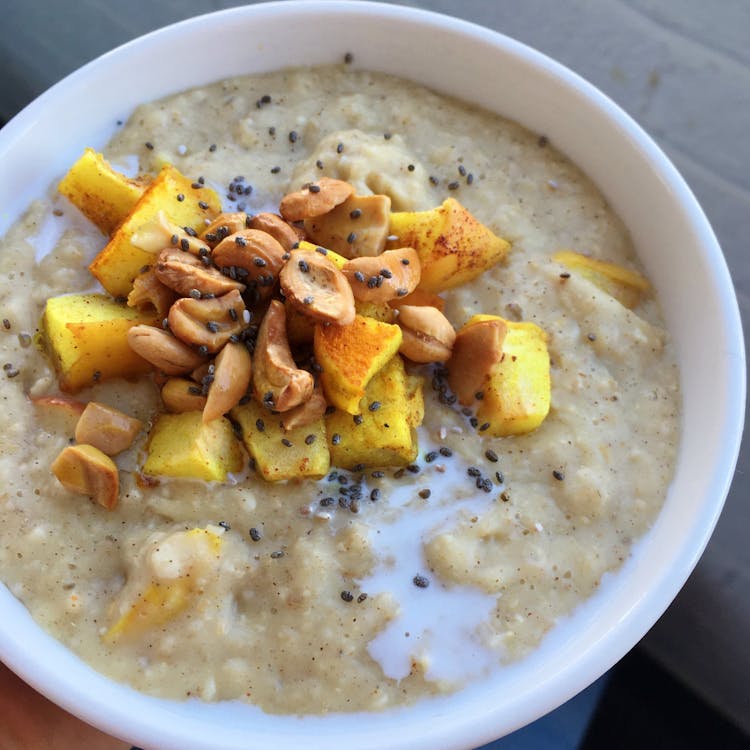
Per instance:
(180,395)
(284,233)
(106,428)
(428,335)
(278,383)
(357,227)
(149,292)
(392,274)
(476,349)
(251,256)
(208,323)
(232,374)
(224,225)
(307,413)
(162,350)
(316,287)
(315,199)
(86,470)
(187,274)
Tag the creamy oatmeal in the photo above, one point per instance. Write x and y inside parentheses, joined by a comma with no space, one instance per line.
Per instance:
(370,588)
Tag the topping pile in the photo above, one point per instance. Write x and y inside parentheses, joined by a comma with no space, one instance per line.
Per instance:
(297,331)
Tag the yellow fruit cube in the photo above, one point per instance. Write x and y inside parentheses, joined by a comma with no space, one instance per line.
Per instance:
(385,432)
(102,194)
(181,445)
(87,338)
(300,453)
(156,602)
(516,397)
(351,355)
(453,246)
(117,265)
(625,285)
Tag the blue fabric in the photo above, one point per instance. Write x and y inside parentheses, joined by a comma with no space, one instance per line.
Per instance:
(563,729)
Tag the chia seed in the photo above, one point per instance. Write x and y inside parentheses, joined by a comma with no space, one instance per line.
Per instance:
(347,596)
(421,581)
(255,534)
(558,475)
(425,493)
(491,456)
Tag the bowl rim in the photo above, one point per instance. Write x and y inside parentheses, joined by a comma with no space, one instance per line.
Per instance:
(646,608)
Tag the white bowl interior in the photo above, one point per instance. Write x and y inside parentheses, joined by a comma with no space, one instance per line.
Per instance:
(673,239)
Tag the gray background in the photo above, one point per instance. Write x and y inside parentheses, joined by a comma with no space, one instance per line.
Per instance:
(681,68)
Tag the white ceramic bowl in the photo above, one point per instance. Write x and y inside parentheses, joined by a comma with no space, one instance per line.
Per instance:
(673,238)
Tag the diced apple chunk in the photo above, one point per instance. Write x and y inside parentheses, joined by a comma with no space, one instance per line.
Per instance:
(625,285)
(385,432)
(87,337)
(299,453)
(166,581)
(351,355)
(453,246)
(121,261)
(104,195)
(515,395)
(181,445)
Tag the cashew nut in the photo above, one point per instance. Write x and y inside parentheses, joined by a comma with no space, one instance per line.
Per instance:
(285,234)
(86,470)
(315,199)
(357,227)
(428,335)
(186,273)
(278,383)
(314,285)
(477,348)
(233,370)
(180,395)
(251,256)
(307,413)
(148,291)
(224,225)
(163,350)
(106,428)
(392,274)
(207,322)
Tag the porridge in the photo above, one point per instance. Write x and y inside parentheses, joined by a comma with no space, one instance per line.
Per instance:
(350,584)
